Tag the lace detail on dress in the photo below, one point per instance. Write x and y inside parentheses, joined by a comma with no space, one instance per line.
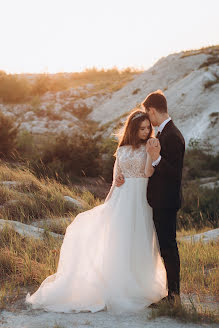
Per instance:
(130,162)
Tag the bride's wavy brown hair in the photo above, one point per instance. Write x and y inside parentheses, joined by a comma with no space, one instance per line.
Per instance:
(129,136)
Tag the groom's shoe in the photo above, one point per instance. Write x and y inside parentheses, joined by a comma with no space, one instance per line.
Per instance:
(153,306)
(170,300)
(164,300)
(174,299)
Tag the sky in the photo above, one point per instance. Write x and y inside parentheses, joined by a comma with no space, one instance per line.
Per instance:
(71,35)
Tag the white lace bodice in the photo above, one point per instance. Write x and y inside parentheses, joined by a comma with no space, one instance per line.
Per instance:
(130,162)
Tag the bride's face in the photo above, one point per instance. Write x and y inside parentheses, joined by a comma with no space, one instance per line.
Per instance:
(144,130)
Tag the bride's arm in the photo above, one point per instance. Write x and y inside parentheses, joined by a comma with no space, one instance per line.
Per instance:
(116,171)
(149,169)
(110,193)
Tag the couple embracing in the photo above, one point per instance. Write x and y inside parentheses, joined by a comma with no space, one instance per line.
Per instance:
(122,256)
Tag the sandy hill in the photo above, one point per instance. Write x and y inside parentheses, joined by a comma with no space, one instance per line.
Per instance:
(190,81)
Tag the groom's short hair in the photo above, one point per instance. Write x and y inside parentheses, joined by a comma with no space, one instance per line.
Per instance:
(157,100)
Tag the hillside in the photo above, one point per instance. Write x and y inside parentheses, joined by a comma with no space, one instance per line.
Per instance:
(58,103)
(100,100)
(190,81)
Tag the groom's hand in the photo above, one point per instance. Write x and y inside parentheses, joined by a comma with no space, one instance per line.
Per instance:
(153,148)
(119,180)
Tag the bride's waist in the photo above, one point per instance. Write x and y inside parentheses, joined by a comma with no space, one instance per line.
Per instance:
(135,178)
(134,183)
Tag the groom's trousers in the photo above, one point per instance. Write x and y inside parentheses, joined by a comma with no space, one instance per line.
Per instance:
(165,224)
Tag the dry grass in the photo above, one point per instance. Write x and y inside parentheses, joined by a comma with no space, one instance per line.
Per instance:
(212,50)
(33,199)
(209,84)
(57,226)
(26,262)
(57,325)
(16,88)
(184,313)
(199,268)
(190,232)
(199,276)
(105,81)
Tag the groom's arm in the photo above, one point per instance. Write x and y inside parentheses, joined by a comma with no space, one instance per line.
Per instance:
(171,161)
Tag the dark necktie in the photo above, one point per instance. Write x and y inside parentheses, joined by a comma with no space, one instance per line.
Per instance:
(158,135)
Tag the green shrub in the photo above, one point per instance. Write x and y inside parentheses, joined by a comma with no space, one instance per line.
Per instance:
(67,157)
(107,150)
(25,144)
(199,207)
(199,163)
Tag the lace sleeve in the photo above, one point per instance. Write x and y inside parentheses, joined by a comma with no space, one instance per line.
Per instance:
(116,171)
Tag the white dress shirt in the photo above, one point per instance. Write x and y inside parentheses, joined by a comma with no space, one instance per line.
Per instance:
(160,129)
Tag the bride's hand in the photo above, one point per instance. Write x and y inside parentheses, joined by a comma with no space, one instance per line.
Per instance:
(153,148)
(119,180)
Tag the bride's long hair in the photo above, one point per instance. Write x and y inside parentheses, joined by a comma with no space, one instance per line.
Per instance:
(129,133)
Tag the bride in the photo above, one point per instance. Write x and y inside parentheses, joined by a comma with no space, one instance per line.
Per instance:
(110,257)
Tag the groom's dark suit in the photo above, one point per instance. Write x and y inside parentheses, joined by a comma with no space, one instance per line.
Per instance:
(164,196)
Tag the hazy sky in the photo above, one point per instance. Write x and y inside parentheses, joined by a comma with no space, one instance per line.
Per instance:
(70,35)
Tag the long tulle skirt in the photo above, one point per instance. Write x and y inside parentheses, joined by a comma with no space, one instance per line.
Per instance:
(109,259)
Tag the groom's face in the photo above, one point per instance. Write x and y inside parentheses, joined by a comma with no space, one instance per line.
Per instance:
(151,111)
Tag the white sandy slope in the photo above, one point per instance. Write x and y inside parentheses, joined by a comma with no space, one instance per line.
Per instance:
(54,112)
(190,104)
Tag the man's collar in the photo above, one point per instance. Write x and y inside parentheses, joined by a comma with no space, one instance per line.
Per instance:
(161,127)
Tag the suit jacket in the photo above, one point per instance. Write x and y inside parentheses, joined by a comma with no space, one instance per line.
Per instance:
(164,186)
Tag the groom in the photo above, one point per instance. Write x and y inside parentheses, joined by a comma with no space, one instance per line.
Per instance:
(164,186)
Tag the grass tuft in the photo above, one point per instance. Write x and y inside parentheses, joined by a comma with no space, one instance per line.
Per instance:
(199,267)
(184,313)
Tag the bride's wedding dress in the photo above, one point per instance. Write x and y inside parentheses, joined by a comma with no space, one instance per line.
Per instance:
(110,257)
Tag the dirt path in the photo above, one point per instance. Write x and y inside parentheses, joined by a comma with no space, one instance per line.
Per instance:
(20,315)
(41,319)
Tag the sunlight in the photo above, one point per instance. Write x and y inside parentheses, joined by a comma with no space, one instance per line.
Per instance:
(56,36)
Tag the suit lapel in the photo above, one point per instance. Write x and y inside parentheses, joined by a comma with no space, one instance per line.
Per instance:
(163,135)
(168,126)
